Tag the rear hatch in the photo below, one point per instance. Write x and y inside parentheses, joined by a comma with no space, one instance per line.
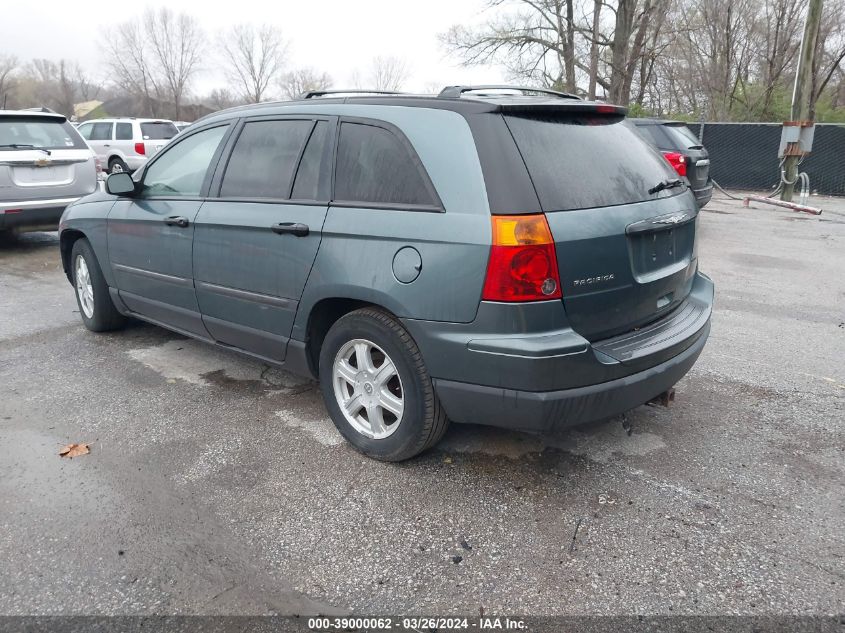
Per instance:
(626,257)
(43,157)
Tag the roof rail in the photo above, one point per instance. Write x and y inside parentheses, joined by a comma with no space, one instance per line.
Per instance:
(322,93)
(455,92)
(43,109)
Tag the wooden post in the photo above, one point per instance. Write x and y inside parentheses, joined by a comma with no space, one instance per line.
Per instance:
(802,94)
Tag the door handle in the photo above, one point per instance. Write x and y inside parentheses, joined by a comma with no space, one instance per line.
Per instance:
(177,220)
(294,228)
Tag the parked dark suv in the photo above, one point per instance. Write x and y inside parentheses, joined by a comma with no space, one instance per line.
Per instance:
(683,151)
(514,260)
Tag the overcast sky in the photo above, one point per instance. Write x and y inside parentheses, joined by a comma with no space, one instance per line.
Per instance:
(335,36)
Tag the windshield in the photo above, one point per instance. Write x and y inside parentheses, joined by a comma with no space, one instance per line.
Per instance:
(158,130)
(23,133)
(588,161)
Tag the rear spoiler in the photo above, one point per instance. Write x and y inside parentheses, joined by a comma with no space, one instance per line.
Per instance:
(563,107)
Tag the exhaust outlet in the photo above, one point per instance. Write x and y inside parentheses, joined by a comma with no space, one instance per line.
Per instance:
(663,399)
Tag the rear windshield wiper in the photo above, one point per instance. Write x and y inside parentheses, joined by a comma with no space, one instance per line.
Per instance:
(24,146)
(666,184)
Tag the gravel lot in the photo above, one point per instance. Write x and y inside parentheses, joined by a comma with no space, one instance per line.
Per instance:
(218,485)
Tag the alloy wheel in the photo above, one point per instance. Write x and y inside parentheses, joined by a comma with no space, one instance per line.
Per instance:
(84,289)
(368,389)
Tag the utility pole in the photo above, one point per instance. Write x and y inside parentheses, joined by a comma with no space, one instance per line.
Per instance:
(802,94)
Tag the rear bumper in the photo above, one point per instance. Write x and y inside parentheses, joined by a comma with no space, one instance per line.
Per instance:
(136,162)
(547,410)
(703,195)
(538,379)
(33,215)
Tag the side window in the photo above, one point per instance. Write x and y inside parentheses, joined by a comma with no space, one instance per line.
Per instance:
(262,162)
(373,165)
(85,130)
(101,132)
(123,132)
(305,187)
(181,168)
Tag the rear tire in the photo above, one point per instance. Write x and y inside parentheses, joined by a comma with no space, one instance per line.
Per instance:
(368,360)
(92,292)
(117,166)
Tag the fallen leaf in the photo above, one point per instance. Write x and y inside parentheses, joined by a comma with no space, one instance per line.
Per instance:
(74,450)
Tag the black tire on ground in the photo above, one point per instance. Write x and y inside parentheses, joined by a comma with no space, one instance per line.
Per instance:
(105,316)
(117,165)
(423,421)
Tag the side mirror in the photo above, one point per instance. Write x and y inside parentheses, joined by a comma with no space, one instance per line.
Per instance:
(120,184)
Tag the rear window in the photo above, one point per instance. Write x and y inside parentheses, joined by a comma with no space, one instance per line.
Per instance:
(264,157)
(123,132)
(585,162)
(22,133)
(158,130)
(682,137)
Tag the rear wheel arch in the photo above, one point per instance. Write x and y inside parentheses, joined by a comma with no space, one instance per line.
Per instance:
(67,239)
(322,316)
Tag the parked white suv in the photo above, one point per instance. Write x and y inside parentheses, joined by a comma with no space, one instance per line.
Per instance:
(126,144)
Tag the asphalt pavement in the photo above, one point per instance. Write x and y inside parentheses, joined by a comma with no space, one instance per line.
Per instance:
(216,484)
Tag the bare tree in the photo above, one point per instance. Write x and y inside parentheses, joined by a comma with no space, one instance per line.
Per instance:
(254,58)
(534,39)
(303,80)
(830,56)
(126,50)
(388,73)
(221,98)
(8,66)
(176,44)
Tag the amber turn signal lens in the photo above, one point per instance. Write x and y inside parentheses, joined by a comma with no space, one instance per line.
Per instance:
(520,230)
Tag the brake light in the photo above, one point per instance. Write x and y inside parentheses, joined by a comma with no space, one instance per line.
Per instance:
(522,265)
(140,149)
(678,162)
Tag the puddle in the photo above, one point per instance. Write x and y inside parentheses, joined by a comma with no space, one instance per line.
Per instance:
(201,364)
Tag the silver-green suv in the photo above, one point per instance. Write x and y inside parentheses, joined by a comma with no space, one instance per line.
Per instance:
(520,259)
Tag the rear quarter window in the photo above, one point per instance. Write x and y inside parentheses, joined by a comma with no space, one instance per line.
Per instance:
(587,161)
(374,165)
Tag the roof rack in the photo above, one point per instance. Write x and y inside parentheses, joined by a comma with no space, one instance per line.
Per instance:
(322,93)
(455,92)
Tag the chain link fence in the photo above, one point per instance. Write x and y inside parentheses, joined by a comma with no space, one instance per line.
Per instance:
(745,156)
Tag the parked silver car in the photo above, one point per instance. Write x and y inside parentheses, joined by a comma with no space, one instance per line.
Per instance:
(126,144)
(44,166)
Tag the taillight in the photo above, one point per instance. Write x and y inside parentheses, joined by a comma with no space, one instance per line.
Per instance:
(140,149)
(522,265)
(678,162)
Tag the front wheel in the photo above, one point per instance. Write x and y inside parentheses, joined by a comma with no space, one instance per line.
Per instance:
(377,389)
(92,292)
